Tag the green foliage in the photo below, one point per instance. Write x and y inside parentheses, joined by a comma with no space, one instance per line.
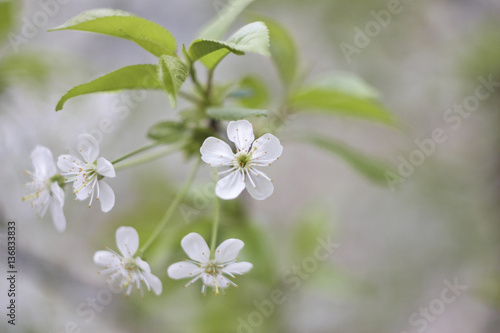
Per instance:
(217,28)
(233,113)
(252,92)
(304,237)
(167,131)
(369,167)
(283,51)
(172,72)
(149,35)
(130,77)
(333,100)
(253,37)
(8,11)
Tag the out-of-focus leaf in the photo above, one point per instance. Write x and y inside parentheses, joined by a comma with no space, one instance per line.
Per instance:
(256,95)
(253,37)
(283,51)
(371,168)
(25,66)
(217,28)
(152,37)
(328,98)
(130,77)
(167,131)
(233,113)
(8,11)
(315,224)
(348,83)
(172,72)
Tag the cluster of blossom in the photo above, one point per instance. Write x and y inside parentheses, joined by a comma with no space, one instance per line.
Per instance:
(87,173)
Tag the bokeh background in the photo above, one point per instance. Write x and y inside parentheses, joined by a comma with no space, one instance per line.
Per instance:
(396,246)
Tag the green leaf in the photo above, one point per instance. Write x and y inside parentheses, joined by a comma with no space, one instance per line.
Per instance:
(332,100)
(252,92)
(371,168)
(149,35)
(233,113)
(167,131)
(217,28)
(8,11)
(283,51)
(348,83)
(130,77)
(253,37)
(172,72)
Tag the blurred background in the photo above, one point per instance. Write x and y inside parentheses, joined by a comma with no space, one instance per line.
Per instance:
(420,255)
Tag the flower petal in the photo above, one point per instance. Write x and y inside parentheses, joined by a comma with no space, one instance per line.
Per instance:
(106,196)
(105,168)
(69,163)
(154,282)
(183,269)
(266,149)
(238,268)
(106,259)
(195,247)
(259,186)
(127,240)
(241,133)
(43,161)
(143,265)
(89,147)
(216,152)
(223,282)
(56,207)
(230,186)
(228,250)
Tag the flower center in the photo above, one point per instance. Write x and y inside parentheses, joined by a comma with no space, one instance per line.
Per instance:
(242,160)
(130,264)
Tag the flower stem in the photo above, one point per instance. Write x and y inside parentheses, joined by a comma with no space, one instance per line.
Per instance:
(147,158)
(171,210)
(215,226)
(137,151)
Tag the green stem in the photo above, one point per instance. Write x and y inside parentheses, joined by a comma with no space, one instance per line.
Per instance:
(147,158)
(197,83)
(137,151)
(190,97)
(171,210)
(208,92)
(215,226)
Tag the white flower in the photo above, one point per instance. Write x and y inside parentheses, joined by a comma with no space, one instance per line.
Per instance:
(209,270)
(126,268)
(249,154)
(87,173)
(45,186)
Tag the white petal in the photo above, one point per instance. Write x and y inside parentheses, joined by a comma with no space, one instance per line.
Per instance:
(143,265)
(127,240)
(106,196)
(241,133)
(43,161)
(183,269)
(154,282)
(106,259)
(56,207)
(230,186)
(216,152)
(259,186)
(89,147)
(195,247)
(238,268)
(266,149)
(228,250)
(83,192)
(105,168)
(69,163)
(223,282)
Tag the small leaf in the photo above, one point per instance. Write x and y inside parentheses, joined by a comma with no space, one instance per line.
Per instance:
(283,51)
(172,72)
(167,131)
(369,167)
(331,100)
(253,37)
(149,35)
(233,113)
(253,92)
(130,77)
(226,17)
